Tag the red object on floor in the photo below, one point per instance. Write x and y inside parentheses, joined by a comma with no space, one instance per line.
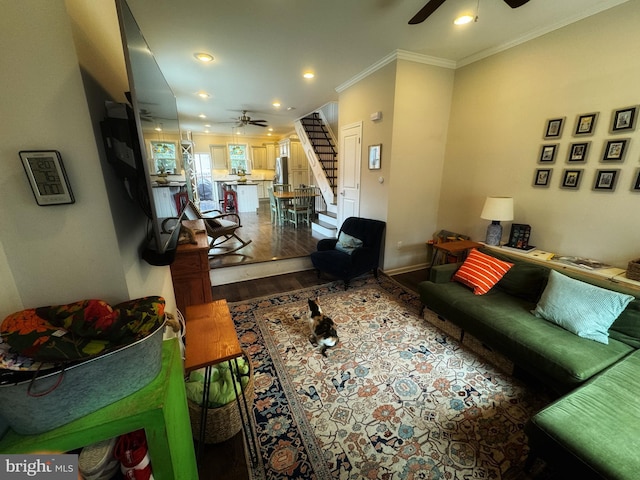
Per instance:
(230,203)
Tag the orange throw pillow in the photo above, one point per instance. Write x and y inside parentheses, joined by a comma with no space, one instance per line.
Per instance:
(481,272)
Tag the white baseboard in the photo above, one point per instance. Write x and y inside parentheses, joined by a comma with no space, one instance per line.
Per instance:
(410,268)
(252,271)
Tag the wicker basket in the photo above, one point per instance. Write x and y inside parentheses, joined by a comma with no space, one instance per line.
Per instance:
(225,421)
(633,269)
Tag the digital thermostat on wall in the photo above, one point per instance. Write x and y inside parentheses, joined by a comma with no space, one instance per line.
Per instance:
(47,177)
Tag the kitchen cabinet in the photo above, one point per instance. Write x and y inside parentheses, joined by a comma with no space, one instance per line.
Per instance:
(259,158)
(219,157)
(272,153)
(298,164)
(247,197)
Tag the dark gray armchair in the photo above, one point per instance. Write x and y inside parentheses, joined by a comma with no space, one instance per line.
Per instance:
(356,254)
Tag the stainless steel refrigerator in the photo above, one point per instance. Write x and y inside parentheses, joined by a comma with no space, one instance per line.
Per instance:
(282,170)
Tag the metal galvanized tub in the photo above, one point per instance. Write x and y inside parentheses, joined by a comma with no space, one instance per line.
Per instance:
(57,398)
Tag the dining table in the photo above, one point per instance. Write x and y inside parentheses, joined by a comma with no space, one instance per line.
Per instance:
(282,198)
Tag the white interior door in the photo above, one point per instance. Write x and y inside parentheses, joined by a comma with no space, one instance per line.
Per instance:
(349,171)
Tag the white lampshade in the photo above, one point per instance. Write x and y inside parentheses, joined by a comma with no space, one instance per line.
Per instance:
(498,208)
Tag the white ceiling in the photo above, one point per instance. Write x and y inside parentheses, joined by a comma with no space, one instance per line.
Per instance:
(262,47)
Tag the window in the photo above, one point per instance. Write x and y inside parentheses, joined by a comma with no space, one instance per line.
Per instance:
(165,159)
(238,158)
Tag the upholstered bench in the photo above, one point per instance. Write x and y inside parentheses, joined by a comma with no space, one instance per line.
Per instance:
(594,430)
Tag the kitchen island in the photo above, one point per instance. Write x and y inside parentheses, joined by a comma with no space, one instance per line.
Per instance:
(246,193)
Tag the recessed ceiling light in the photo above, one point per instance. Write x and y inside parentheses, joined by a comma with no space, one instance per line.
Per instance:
(207,125)
(202,115)
(464,19)
(308,75)
(276,104)
(270,129)
(158,129)
(291,108)
(203,95)
(203,57)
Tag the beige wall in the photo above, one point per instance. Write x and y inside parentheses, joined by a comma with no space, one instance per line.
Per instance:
(500,106)
(56,254)
(414,100)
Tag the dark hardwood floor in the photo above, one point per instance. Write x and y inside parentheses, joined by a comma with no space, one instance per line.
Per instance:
(268,241)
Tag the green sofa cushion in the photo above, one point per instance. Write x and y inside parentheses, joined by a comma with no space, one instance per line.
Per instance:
(504,322)
(626,328)
(596,423)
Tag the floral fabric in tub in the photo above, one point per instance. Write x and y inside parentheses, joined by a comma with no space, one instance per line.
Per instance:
(79,330)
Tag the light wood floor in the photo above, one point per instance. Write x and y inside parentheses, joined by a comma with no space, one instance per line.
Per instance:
(268,241)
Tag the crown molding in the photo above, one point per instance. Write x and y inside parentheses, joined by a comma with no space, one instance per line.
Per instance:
(392,57)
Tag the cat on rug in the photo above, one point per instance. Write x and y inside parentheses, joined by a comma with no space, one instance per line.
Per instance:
(323,329)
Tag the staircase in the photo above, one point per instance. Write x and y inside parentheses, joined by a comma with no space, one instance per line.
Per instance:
(320,148)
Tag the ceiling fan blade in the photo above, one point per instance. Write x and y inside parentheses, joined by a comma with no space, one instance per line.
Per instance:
(515,3)
(258,121)
(425,11)
(257,124)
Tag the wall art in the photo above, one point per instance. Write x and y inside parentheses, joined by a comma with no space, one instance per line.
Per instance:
(554,128)
(585,124)
(542,177)
(624,119)
(571,178)
(548,153)
(615,150)
(578,152)
(605,180)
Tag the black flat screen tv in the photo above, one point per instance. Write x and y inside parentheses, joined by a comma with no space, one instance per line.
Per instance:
(151,103)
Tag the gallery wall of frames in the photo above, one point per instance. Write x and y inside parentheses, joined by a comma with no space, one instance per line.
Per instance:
(581,150)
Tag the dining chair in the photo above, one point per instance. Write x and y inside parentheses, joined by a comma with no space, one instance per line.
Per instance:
(301,208)
(273,206)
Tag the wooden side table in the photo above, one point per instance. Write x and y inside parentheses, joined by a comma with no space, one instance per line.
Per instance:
(211,338)
(457,249)
(160,408)
(190,270)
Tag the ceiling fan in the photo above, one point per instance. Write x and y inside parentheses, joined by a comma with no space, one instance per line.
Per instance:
(432,6)
(246,120)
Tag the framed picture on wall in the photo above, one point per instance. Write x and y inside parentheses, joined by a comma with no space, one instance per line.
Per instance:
(554,128)
(624,119)
(615,150)
(374,157)
(548,153)
(585,124)
(578,152)
(542,177)
(635,186)
(605,180)
(571,178)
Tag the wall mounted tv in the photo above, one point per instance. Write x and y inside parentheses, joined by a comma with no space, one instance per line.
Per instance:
(152,104)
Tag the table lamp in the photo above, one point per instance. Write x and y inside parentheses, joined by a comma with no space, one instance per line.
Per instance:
(496,209)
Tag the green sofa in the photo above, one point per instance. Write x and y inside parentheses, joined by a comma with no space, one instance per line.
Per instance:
(589,374)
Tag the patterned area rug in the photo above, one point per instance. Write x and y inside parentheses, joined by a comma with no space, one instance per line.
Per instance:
(395,399)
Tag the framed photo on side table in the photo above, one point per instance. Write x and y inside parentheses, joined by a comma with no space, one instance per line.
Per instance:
(606,180)
(554,128)
(585,124)
(374,157)
(571,178)
(624,119)
(615,150)
(542,177)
